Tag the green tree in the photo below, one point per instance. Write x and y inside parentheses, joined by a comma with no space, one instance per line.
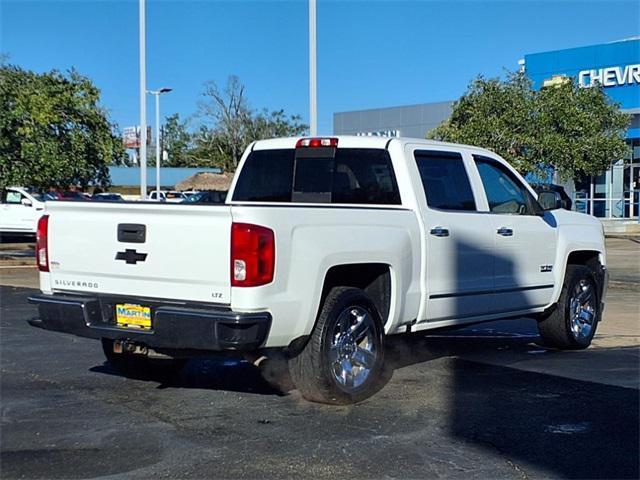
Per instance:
(53,131)
(580,131)
(210,149)
(576,131)
(275,124)
(177,142)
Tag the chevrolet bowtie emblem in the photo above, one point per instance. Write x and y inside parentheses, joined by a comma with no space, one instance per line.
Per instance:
(131,256)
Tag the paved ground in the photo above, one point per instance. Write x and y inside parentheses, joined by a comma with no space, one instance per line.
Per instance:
(623,257)
(482,403)
(16,250)
(19,276)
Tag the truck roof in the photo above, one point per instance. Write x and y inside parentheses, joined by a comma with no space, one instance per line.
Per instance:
(355,141)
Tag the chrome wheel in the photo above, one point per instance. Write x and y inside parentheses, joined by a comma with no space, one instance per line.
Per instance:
(353,353)
(582,309)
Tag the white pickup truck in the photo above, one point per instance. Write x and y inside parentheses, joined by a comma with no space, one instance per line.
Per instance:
(20,210)
(324,248)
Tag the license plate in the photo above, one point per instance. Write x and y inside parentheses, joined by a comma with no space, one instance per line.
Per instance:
(133,316)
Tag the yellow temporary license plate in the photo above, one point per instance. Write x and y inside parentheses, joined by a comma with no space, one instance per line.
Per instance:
(133,316)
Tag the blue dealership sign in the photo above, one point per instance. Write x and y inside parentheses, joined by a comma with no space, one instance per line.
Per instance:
(615,66)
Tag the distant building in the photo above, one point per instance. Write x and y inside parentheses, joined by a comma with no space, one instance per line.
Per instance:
(408,121)
(615,66)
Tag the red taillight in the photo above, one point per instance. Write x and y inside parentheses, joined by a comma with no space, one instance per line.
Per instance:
(42,252)
(317,142)
(253,255)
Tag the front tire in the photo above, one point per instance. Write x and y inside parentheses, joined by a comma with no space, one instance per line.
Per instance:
(572,324)
(343,360)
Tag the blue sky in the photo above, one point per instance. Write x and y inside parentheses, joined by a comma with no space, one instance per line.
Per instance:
(370,54)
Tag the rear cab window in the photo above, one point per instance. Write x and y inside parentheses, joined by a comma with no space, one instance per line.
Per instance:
(352,176)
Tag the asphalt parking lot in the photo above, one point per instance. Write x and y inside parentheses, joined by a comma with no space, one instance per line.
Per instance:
(484,402)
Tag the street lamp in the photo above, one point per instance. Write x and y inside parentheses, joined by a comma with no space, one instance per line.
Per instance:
(313,85)
(143,101)
(157,94)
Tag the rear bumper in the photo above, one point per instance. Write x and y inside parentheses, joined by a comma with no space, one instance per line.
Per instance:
(175,326)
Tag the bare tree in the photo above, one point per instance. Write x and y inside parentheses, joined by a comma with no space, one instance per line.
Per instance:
(230,125)
(228,116)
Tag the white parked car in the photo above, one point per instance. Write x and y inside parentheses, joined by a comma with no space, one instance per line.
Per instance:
(159,196)
(170,196)
(324,248)
(20,210)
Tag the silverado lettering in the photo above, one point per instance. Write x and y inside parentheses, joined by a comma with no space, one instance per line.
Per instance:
(77,284)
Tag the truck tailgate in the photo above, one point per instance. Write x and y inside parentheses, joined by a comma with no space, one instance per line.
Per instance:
(164,251)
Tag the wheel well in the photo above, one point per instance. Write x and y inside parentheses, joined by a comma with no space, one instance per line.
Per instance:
(373,278)
(589,258)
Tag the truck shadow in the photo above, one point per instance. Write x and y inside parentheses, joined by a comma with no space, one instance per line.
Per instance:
(533,421)
(205,373)
(235,374)
(540,424)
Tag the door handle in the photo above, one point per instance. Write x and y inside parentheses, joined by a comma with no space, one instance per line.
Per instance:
(505,232)
(132,233)
(439,232)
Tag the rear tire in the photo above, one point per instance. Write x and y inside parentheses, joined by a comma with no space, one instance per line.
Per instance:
(140,366)
(343,360)
(572,324)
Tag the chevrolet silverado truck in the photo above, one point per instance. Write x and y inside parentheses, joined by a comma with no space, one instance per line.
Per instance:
(324,248)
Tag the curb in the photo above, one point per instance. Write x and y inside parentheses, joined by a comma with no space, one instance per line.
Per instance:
(17,262)
(17,246)
(624,236)
(617,284)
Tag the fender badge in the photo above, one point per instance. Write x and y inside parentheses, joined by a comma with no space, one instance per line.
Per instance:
(131,256)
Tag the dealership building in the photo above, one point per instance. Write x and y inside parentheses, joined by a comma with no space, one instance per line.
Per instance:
(615,66)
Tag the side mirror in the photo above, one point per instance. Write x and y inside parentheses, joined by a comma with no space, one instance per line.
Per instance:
(26,202)
(566,204)
(550,200)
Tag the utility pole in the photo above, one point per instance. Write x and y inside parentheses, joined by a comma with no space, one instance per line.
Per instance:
(143,102)
(313,84)
(157,94)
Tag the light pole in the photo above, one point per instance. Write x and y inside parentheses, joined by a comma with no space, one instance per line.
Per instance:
(313,93)
(157,94)
(143,103)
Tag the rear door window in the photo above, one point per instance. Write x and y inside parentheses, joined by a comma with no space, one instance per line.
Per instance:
(325,175)
(364,176)
(445,181)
